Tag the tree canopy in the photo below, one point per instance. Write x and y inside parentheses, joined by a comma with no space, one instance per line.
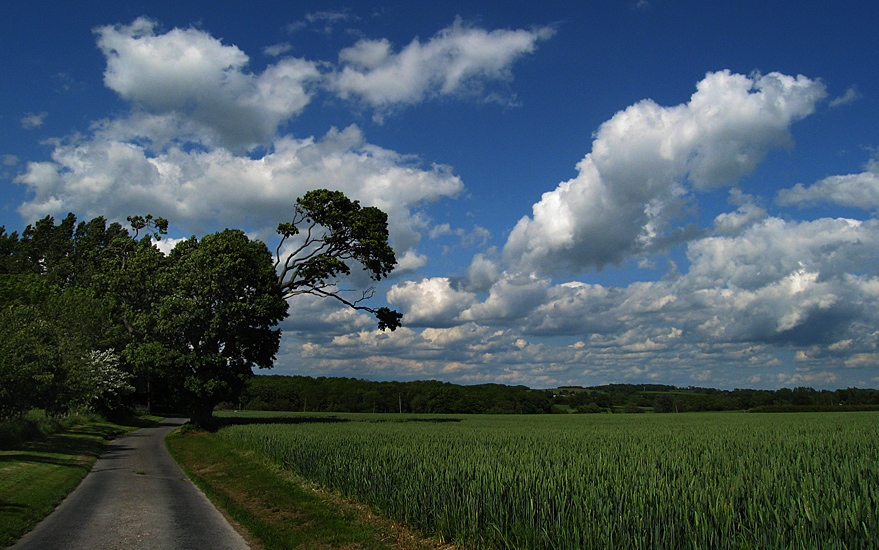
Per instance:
(217,316)
(88,309)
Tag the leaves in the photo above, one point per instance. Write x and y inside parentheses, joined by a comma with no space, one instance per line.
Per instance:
(192,324)
(217,314)
(45,336)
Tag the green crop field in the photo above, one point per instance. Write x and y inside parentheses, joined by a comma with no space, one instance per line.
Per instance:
(710,480)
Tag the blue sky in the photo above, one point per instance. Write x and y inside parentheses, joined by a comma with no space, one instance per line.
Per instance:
(578,192)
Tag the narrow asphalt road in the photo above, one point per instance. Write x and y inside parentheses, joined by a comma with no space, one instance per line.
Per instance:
(135,497)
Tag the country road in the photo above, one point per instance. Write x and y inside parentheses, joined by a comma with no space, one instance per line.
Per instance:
(135,497)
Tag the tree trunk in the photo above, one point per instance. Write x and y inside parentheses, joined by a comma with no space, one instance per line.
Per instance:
(203,415)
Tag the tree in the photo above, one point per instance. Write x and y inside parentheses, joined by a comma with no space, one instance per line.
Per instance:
(45,339)
(8,246)
(216,320)
(332,231)
(196,321)
(663,403)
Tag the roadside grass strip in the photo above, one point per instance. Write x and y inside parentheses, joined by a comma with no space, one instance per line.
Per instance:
(36,476)
(278,509)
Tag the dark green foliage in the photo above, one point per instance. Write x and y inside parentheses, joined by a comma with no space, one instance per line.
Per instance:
(302,393)
(190,325)
(813,408)
(216,317)
(45,338)
(324,394)
(47,249)
(8,245)
(663,403)
(591,408)
(670,399)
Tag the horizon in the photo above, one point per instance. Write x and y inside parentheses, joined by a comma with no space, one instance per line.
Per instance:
(264,373)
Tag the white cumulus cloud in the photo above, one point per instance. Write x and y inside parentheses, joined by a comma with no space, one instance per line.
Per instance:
(196,189)
(433,302)
(460,59)
(643,161)
(191,73)
(854,190)
(33,120)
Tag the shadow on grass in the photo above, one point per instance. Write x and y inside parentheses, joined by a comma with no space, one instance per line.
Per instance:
(428,420)
(23,457)
(86,443)
(220,422)
(135,421)
(237,421)
(10,506)
(64,449)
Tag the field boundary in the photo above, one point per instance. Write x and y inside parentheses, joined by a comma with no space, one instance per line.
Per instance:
(277,509)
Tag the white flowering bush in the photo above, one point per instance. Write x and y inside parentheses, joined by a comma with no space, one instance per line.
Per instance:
(109,383)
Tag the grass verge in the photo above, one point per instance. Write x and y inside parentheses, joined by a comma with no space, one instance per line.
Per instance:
(35,476)
(281,510)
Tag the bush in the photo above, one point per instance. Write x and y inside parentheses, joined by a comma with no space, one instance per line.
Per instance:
(591,408)
(36,424)
(30,425)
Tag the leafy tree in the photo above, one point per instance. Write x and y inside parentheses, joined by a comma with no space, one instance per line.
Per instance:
(131,274)
(45,338)
(8,245)
(330,231)
(216,320)
(29,357)
(591,408)
(194,322)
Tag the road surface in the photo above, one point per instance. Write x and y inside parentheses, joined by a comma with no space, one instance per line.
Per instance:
(135,497)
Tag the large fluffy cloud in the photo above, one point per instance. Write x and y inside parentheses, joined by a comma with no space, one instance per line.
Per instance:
(197,108)
(643,161)
(192,73)
(178,153)
(778,282)
(112,176)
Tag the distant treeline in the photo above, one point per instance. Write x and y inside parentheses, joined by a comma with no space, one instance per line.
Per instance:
(303,393)
(325,394)
(666,399)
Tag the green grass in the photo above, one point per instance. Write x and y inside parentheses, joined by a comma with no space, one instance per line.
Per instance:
(36,476)
(689,481)
(278,509)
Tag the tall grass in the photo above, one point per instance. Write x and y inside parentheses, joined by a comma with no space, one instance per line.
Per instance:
(625,481)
